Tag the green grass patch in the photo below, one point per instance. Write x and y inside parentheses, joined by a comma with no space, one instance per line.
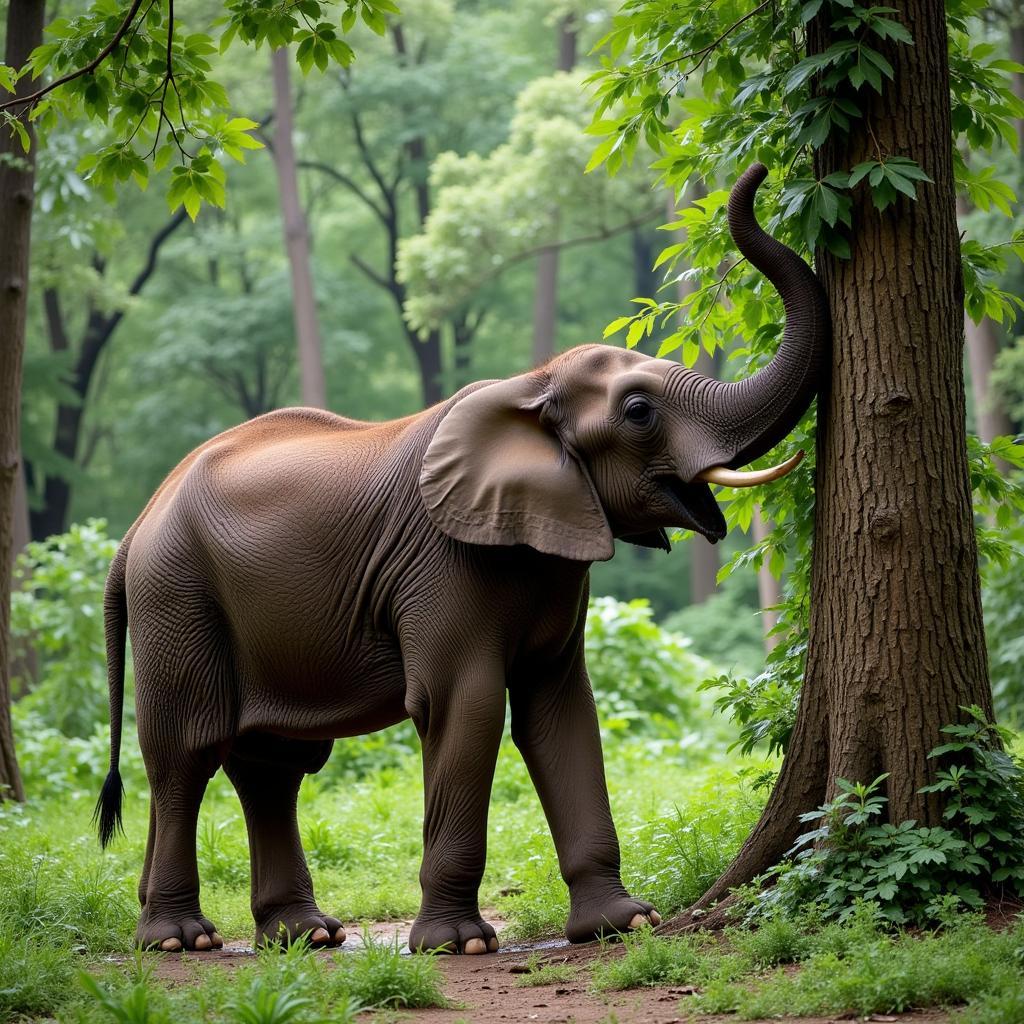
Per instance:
(857,967)
(296,986)
(649,960)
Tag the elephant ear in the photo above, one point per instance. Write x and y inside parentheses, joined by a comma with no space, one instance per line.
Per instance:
(496,473)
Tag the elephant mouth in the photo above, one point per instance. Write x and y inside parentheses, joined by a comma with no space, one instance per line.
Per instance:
(695,507)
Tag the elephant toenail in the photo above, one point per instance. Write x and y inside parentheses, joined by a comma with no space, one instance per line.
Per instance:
(492,944)
(218,942)
(339,936)
(170,945)
(320,936)
(639,920)
(655,918)
(203,942)
(475,946)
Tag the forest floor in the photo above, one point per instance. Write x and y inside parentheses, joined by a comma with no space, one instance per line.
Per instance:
(489,988)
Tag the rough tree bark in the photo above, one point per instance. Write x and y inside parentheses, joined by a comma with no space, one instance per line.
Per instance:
(896,641)
(545,295)
(17,179)
(296,238)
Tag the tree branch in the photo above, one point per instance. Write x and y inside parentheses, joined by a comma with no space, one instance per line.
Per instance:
(100,328)
(364,151)
(352,186)
(570,243)
(377,279)
(154,248)
(89,68)
(705,50)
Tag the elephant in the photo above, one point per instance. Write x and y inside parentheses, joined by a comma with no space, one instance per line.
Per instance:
(303,577)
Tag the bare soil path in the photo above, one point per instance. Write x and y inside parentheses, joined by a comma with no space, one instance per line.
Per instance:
(484,988)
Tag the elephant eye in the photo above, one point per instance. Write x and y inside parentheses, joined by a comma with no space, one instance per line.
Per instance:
(639,411)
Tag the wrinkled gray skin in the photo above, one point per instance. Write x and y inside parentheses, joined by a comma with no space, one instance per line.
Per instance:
(304,577)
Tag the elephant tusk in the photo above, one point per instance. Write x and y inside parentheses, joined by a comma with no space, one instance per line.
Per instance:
(751,478)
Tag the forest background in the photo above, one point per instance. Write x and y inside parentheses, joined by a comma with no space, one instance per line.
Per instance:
(417,220)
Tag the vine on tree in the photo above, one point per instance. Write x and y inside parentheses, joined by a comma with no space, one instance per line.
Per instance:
(709,89)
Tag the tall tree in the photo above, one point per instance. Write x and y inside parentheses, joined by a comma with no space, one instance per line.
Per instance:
(393,168)
(17,174)
(296,238)
(545,295)
(894,534)
(860,128)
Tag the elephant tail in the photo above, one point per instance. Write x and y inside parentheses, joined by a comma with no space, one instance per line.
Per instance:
(115,615)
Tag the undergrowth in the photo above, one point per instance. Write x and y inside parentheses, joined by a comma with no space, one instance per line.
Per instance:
(860,966)
(296,986)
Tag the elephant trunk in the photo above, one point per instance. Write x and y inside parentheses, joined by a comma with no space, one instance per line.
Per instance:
(749,417)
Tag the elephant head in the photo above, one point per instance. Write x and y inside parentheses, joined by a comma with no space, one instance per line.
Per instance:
(603,442)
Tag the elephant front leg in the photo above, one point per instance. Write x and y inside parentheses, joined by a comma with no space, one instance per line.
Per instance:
(460,729)
(554,725)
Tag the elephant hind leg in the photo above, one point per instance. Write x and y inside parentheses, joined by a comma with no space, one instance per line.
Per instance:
(267,771)
(171,917)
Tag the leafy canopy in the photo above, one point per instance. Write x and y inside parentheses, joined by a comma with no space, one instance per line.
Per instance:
(155,87)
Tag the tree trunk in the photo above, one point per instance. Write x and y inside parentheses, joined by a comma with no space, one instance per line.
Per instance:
(52,516)
(896,641)
(769,593)
(704,558)
(545,296)
(1017,54)
(20,532)
(982,349)
(545,306)
(296,238)
(17,178)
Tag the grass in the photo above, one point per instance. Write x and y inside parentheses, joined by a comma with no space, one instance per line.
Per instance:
(293,987)
(855,968)
(540,973)
(66,905)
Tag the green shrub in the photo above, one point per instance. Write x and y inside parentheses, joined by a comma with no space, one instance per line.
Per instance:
(884,973)
(644,678)
(1003,599)
(909,871)
(57,614)
(726,629)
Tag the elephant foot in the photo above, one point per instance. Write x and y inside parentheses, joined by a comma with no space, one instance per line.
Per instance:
(167,933)
(601,918)
(286,924)
(470,935)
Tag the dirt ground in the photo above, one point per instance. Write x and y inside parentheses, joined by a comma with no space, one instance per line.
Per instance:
(483,988)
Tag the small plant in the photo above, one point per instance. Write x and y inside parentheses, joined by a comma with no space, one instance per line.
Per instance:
(380,977)
(57,618)
(324,845)
(538,972)
(914,874)
(262,1003)
(651,960)
(140,1003)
